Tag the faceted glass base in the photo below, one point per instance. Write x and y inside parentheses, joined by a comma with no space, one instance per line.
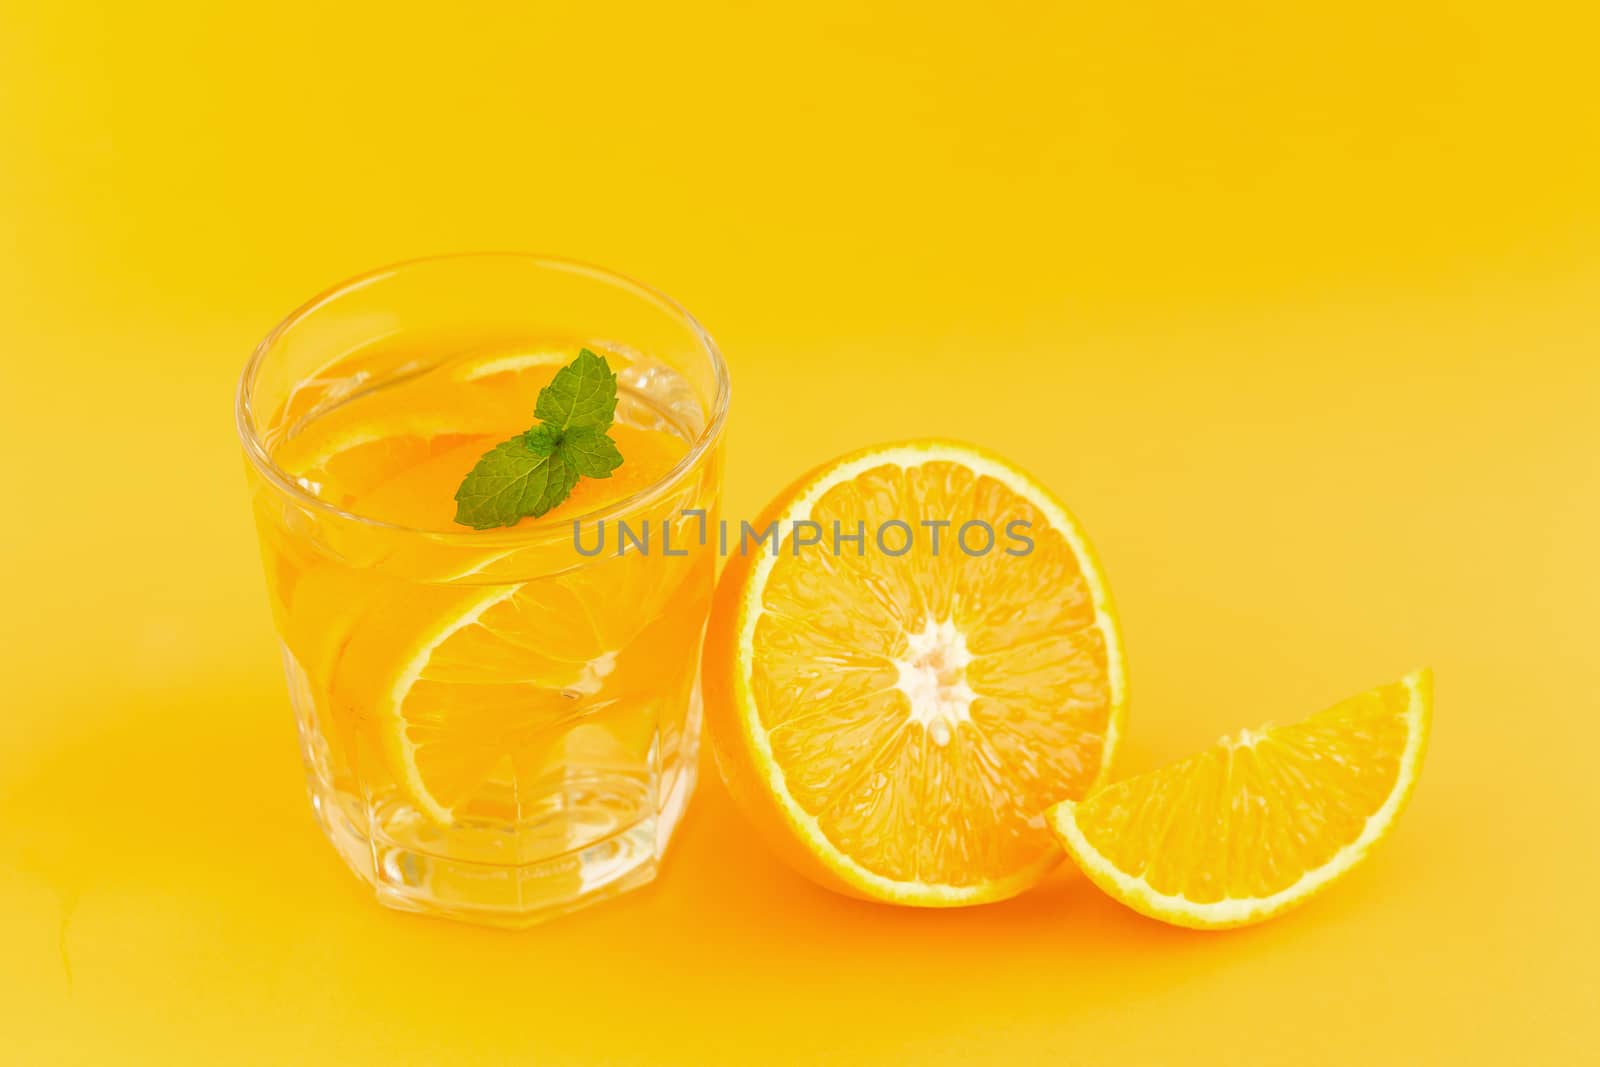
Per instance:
(520,895)
(530,848)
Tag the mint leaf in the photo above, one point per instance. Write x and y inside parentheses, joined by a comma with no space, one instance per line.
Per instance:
(542,440)
(513,479)
(557,487)
(582,394)
(536,470)
(590,451)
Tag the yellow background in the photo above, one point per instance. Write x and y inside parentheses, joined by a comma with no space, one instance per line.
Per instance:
(1299,310)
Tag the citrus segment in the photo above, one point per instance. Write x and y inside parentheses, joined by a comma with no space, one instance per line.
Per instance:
(1261,821)
(896,713)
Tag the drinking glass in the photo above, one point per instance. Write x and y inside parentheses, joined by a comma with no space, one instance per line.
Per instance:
(496,725)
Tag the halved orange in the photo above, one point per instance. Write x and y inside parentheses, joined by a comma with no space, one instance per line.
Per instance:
(897,722)
(1262,821)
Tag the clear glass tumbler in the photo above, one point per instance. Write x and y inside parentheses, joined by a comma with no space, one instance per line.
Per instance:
(497,725)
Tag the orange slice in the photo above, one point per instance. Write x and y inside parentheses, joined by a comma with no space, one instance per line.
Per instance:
(423,495)
(473,678)
(897,724)
(501,367)
(356,446)
(463,681)
(1261,822)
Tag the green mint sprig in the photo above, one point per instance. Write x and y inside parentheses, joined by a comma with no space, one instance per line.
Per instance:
(534,471)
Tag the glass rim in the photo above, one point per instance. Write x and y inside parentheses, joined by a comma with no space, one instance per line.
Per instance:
(256,451)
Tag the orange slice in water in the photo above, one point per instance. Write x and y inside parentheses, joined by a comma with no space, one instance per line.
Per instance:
(460,679)
(349,451)
(898,723)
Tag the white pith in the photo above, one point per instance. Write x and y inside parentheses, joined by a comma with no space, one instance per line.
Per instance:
(1246,738)
(1140,895)
(915,455)
(933,676)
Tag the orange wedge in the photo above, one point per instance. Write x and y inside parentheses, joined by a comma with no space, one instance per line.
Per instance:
(897,723)
(1261,822)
